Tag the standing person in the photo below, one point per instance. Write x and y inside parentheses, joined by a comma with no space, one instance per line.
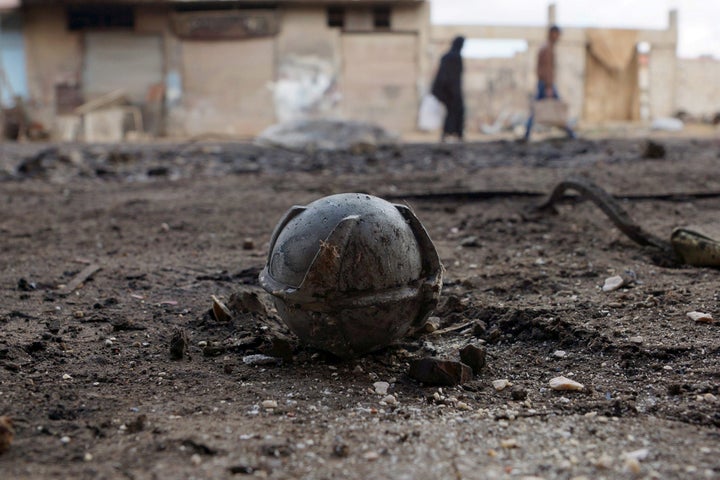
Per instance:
(546,76)
(447,88)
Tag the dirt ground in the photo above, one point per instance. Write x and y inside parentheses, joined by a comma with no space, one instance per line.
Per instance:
(93,392)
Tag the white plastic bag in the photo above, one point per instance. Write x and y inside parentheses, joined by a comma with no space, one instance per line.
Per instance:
(432,113)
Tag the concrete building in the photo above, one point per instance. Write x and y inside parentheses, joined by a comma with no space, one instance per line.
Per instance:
(599,71)
(229,67)
(234,67)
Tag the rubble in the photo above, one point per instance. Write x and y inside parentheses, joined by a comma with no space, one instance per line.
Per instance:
(654,150)
(474,357)
(221,312)
(326,135)
(178,344)
(435,371)
(564,383)
(501,384)
(381,388)
(700,317)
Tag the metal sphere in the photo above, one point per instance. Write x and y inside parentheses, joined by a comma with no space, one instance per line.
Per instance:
(352,273)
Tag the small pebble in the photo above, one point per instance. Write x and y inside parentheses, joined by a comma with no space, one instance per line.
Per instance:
(518,394)
(471,241)
(563,383)
(221,312)
(88,457)
(248,244)
(509,443)
(65,440)
(66,377)
(632,465)
(372,455)
(390,400)
(78,314)
(269,404)
(613,283)
(474,356)
(605,462)
(381,388)
(341,450)
(700,317)
(501,384)
(640,454)
(196,459)
(559,354)
(436,371)
(432,324)
(637,339)
(259,359)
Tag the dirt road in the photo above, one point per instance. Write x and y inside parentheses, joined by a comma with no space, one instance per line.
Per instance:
(93,392)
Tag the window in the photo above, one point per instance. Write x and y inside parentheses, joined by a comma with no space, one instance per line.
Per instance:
(381,18)
(336,17)
(100,17)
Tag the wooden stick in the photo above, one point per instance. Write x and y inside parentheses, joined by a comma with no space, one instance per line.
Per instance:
(81,277)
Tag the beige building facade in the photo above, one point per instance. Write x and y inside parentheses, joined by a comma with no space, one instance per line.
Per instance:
(235,67)
(229,68)
(599,71)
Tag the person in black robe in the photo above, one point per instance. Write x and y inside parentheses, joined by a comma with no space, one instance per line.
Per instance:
(447,88)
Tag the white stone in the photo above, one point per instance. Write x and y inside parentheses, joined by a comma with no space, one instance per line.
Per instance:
(640,454)
(268,404)
(501,384)
(381,388)
(632,465)
(700,317)
(560,353)
(509,443)
(390,400)
(564,383)
(613,283)
(372,455)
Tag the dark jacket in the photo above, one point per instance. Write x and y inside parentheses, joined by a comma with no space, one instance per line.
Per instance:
(447,86)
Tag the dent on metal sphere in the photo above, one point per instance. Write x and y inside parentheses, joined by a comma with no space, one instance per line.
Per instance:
(352,273)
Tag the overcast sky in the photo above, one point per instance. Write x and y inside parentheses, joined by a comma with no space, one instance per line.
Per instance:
(699,29)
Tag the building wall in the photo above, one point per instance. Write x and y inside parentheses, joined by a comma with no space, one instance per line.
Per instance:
(226,86)
(571,68)
(698,86)
(379,83)
(12,59)
(662,68)
(496,90)
(241,86)
(308,65)
(503,87)
(54,56)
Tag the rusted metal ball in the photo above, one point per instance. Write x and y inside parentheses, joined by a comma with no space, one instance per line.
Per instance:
(351,273)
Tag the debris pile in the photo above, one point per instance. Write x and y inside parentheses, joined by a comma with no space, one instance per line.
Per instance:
(333,135)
